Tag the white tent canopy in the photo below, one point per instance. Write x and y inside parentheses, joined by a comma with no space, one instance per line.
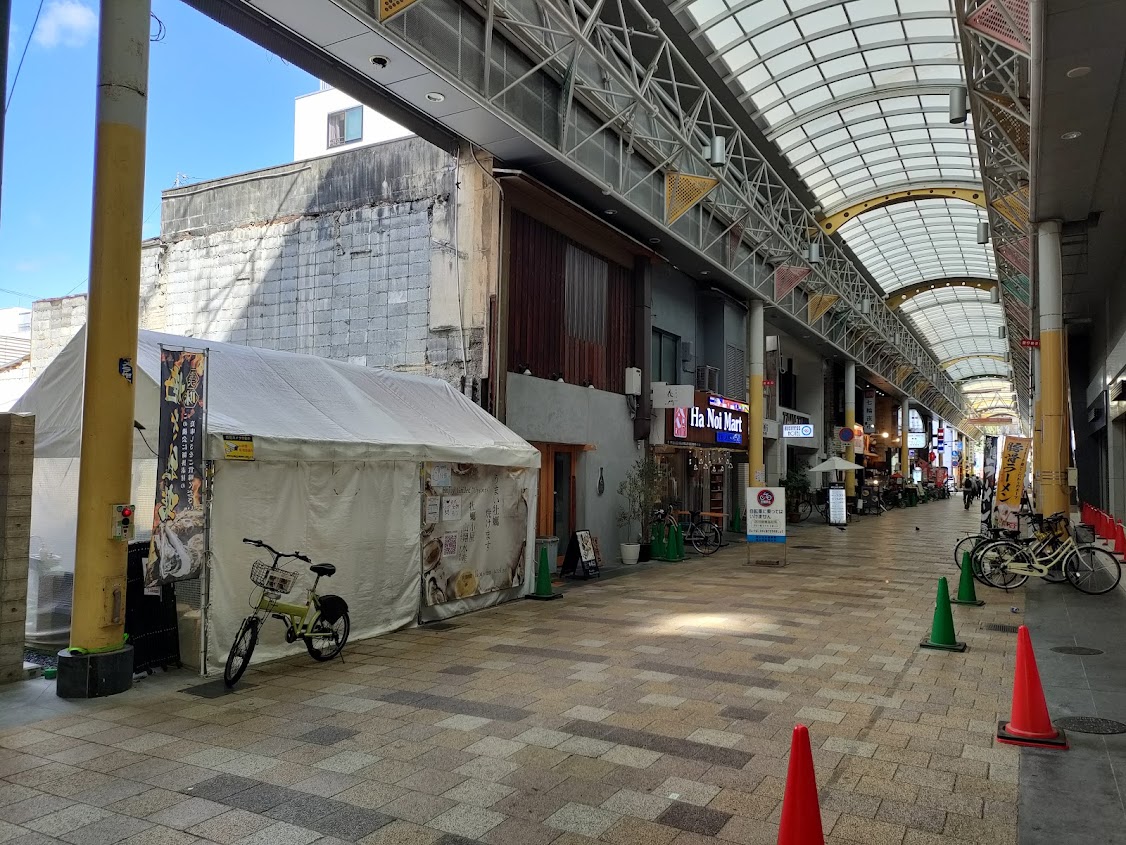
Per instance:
(835,464)
(336,473)
(297,407)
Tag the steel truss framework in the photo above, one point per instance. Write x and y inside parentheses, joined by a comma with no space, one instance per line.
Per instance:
(622,105)
(996,44)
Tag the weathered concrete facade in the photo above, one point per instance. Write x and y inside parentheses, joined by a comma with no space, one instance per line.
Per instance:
(382,256)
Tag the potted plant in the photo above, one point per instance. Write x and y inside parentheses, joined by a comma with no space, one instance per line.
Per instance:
(639,490)
(796,482)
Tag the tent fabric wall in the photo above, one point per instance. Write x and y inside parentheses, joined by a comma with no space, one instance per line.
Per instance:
(337,451)
(361,517)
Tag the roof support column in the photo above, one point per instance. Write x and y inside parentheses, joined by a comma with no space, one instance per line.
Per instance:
(756,360)
(850,423)
(904,449)
(1053,405)
(105,467)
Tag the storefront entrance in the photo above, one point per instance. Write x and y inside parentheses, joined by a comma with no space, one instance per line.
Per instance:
(556,513)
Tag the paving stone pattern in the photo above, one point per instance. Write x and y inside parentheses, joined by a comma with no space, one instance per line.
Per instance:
(653,708)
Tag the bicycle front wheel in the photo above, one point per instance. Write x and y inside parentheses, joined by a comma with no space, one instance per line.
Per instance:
(965,546)
(1092,570)
(330,639)
(706,538)
(241,649)
(994,560)
(804,510)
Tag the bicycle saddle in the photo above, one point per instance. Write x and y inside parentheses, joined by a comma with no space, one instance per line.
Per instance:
(325,569)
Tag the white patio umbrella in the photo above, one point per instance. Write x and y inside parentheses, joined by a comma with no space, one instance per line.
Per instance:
(835,464)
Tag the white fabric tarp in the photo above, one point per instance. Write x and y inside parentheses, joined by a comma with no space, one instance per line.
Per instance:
(297,407)
(337,452)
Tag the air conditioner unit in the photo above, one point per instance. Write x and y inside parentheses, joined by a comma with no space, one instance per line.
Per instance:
(707,379)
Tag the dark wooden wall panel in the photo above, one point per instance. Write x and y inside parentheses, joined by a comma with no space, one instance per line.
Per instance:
(537,317)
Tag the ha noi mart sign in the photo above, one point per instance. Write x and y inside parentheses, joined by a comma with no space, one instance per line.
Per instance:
(711,421)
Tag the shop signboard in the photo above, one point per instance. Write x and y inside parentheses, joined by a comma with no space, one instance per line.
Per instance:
(474,530)
(672,395)
(766,515)
(710,421)
(989,459)
(869,412)
(798,432)
(916,440)
(179,538)
(838,512)
(1010,481)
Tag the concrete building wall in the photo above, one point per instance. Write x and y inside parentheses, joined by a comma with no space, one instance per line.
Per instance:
(373,256)
(310,124)
(53,323)
(540,410)
(17,445)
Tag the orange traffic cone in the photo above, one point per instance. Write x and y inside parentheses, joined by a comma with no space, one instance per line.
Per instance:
(801,813)
(1030,723)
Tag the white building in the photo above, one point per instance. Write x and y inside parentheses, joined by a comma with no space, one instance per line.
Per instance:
(15,354)
(329,121)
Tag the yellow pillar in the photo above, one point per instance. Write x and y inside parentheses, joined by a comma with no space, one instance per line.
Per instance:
(756,359)
(1053,406)
(850,422)
(904,428)
(105,469)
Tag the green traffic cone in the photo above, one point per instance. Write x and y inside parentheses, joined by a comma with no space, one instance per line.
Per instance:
(966,592)
(942,628)
(544,592)
(658,549)
(670,545)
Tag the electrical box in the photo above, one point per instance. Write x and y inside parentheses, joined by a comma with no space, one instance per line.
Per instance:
(121,522)
(633,381)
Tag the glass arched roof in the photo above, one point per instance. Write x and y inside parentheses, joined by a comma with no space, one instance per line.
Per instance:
(855,95)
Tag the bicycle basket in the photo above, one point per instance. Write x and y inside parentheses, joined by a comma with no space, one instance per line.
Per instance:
(272,580)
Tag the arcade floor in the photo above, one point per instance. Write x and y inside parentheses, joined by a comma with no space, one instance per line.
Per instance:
(647,709)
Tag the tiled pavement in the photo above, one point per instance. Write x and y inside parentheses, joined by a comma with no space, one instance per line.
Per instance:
(653,708)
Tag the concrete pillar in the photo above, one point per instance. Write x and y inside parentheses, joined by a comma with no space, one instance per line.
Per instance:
(1053,405)
(850,422)
(756,361)
(100,663)
(5,26)
(904,428)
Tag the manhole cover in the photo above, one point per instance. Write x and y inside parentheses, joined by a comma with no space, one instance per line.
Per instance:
(1004,629)
(1076,649)
(1090,725)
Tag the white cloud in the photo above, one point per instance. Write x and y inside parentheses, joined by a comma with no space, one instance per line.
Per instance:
(66,23)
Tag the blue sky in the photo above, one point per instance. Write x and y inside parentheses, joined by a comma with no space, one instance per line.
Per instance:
(218,105)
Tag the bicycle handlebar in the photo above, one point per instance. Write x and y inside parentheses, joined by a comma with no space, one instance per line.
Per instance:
(275,552)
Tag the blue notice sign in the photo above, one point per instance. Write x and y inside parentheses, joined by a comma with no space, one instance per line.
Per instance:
(728,437)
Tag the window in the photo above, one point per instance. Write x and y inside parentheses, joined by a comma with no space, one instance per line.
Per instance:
(665,347)
(346,126)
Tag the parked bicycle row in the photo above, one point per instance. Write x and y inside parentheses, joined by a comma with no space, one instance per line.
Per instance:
(1006,559)
(872,500)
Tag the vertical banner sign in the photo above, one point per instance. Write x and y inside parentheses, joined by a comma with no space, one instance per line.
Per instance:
(989,460)
(178,537)
(1010,481)
(766,514)
(869,416)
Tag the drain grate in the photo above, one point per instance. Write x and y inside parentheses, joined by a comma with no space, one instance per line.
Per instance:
(1090,725)
(1002,629)
(1076,649)
(799,546)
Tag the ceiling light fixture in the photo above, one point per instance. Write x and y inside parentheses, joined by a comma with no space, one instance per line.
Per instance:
(705,272)
(1071,136)
(436,97)
(1078,72)
(654,241)
(610,212)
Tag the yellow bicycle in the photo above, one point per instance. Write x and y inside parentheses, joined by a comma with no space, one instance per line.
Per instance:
(1053,555)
